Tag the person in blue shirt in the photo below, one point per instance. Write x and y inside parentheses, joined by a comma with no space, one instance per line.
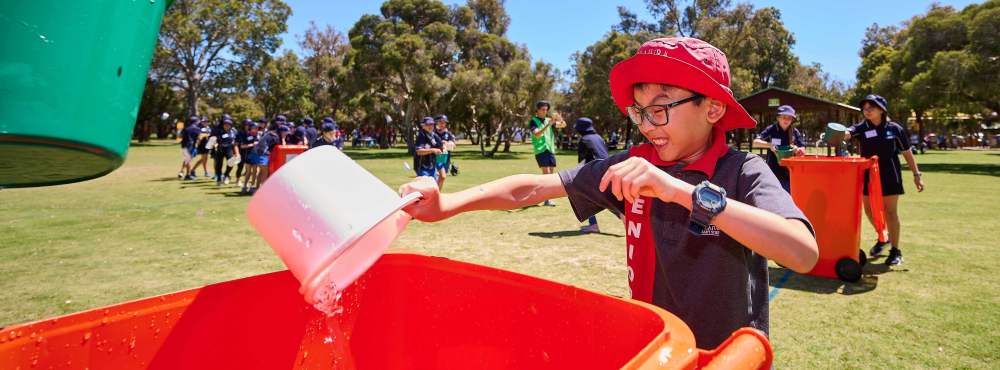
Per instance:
(329,136)
(311,133)
(225,149)
(428,145)
(338,138)
(590,148)
(443,160)
(879,136)
(202,148)
(781,134)
(260,154)
(189,138)
(245,142)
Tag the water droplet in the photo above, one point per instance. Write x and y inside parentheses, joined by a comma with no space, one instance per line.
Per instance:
(86,337)
(327,340)
(308,243)
(297,235)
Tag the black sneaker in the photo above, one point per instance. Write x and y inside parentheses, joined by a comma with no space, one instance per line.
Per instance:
(877,249)
(895,257)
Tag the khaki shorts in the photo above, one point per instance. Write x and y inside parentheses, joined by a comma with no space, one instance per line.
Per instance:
(186,155)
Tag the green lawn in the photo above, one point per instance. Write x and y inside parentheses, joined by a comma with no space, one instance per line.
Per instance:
(140,232)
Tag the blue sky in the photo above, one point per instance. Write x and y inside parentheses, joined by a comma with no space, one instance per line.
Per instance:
(826,32)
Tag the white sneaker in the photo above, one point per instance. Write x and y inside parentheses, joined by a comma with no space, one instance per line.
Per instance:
(590,229)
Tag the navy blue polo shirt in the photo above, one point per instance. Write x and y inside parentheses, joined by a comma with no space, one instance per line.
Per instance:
(245,138)
(311,134)
(445,135)
(886,141)
(267,142)
(189,136)
(224,138)
(427,140)
(775,135)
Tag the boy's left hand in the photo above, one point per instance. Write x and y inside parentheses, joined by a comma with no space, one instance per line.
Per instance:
(800,151)
(636,177)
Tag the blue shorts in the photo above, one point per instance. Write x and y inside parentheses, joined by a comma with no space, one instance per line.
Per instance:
(257,160)
(427,172)
(545,159)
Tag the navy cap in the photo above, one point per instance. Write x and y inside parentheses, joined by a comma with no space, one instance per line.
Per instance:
(329,126)
(427,121)
(280,118)
(875,99)
(542,103)
(227,121)
(584,124)
(251,125)
(307,121)
(282,128)
(262,120)
(328,120)
(786,110)
(193,120)
(441,117)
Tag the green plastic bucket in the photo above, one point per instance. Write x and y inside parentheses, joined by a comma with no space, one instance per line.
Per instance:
(834,134)
(784,151)
(71,80)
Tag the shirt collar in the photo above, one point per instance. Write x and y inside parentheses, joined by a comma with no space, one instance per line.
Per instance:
(705,164)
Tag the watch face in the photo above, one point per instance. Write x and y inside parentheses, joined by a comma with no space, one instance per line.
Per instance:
(710,199)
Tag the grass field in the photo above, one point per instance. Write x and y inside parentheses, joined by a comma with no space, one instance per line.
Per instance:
(140,232)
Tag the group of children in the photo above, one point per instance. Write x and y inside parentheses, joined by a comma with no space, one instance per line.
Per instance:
(433,146)
(248,148)
(701,218)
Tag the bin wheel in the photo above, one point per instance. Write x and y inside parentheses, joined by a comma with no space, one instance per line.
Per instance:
(862,258)
(848,270)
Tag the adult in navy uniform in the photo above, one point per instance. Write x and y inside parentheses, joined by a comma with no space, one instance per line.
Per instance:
(877,135)
(428,145)
(781,134)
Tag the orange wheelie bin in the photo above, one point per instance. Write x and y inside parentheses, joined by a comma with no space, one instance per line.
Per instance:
(829,190)
(281,154)
(408,311)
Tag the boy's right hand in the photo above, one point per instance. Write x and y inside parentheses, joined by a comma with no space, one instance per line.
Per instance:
(428,208)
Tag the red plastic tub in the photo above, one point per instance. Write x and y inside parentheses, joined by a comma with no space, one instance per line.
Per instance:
(281,154)
(829,190)
(408,312)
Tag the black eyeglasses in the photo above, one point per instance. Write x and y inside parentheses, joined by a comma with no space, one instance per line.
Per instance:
(656,114)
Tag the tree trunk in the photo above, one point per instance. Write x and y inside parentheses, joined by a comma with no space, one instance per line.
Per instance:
(920,125)
(499,132)
(191,93)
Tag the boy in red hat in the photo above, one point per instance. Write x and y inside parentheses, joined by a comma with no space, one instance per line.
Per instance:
(701,219)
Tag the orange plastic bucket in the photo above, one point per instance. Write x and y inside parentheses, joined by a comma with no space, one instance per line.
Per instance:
(408,311)
(829,190)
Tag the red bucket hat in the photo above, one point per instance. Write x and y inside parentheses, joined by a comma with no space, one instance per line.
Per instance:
(683,62)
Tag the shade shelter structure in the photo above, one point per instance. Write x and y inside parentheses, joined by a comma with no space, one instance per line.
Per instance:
(813,113)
